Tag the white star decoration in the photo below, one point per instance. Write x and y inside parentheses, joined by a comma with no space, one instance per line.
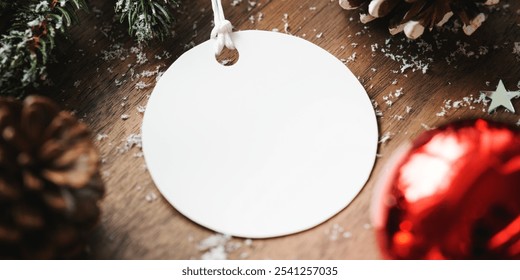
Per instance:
(501,97)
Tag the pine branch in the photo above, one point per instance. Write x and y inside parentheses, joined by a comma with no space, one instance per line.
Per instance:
(25,48)
(147,19)
(33,26)
(4,5)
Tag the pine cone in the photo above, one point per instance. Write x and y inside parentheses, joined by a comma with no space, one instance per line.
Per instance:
(413,16)
(50,183)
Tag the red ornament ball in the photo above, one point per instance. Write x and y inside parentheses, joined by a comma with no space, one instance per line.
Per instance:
(454,193)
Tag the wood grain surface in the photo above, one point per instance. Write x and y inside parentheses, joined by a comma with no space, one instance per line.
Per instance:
(97,78)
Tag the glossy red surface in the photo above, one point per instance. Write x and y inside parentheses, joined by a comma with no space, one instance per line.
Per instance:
(453,194)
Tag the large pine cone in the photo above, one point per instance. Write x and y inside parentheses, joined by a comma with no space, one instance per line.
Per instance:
(413,16)
(50,184)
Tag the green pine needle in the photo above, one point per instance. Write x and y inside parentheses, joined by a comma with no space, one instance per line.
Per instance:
(147,19)
(27,44)
(33,25)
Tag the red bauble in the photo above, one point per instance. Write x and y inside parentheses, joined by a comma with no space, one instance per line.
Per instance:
(453,194)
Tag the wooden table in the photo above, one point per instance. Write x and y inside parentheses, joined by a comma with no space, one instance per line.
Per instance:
(97,78)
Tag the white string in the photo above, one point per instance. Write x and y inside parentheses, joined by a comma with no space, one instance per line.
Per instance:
(222,30)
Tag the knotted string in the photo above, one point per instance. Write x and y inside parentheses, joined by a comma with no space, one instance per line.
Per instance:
(222,30)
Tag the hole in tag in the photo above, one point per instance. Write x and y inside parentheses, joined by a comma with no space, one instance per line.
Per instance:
(227,57)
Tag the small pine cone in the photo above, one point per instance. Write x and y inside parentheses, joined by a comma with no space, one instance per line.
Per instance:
(413,16)
(50,183)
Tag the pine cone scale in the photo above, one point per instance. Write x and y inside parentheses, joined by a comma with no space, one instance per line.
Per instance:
(72,173)
(49,181)
(414,11)
(413,16)
(382,8)
(8,191)
(55,201)
(439,14)
(8,234)
(64,126)
(50,150)
(14,138)
(64,236)
(36,117)
(31,181)
(27,218)
(351,4)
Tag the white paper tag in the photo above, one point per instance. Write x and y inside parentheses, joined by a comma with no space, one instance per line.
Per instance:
(275,144)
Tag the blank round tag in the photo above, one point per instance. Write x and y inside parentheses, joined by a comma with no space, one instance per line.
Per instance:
(275,144)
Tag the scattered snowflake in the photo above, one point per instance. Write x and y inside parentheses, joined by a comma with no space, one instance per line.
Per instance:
(141,85)
(469,102)
(335,232)
(352,57)
(425,126)
(114,52)
(398,93)
(457,104)
(133,140)
(251,5)
(385,137)
(147,73)
(418,62)
(213,241)
(119,82)
(214,247)
(217,253)
(101,136)
(141,109)
(141,58)
(151,196)
(219,246)
(378,111)
(189,45)
(286,27)
(260,16)
(516,50)
(236,2)
(442,113)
